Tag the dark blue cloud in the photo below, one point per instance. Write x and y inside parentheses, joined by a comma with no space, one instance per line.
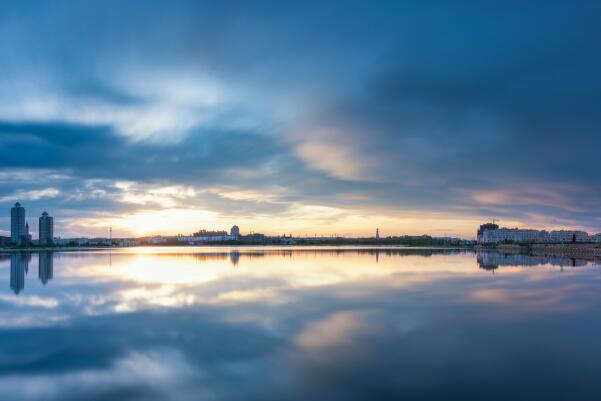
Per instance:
(101,153)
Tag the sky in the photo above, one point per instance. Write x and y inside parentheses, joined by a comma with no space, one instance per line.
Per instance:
(300,117)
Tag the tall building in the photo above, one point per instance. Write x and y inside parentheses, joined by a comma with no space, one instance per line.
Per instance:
(46,230)
(377,233)
(235,232)
(18,233)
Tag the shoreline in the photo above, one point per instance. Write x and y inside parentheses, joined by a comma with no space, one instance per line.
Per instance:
(105,248)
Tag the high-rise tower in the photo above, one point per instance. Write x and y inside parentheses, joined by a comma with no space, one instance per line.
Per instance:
(18,235)
(46,230)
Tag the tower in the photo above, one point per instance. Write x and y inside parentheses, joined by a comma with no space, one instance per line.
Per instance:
(235,232)
(46,231)
(18,234)
(377,233)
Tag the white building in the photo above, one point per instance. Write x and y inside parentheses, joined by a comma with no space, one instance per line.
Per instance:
(516,235)
(207,238)
(564,236)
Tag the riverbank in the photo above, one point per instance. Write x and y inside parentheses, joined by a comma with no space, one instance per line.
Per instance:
(383,247)
(57,249)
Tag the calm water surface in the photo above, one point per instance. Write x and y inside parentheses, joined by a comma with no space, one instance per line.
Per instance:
(298,324)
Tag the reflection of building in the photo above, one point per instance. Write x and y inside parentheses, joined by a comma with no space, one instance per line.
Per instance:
(46,230)
(4,241)
(492,260)
(18,233)
(234,257)
(45,266)
(19,265)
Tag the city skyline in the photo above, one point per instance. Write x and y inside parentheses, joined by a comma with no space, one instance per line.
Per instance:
(298,118)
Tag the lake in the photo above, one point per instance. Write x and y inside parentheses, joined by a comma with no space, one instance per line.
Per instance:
(345,323)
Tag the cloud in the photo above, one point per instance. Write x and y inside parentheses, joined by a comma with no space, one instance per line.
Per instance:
(31,195)
(381,109)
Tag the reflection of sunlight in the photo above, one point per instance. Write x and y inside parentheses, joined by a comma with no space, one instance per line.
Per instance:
(165,296)
(172,277)
(166,269)
(247,296)
(132,279)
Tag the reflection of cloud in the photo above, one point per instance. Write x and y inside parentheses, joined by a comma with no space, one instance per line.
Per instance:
(404,326)
(30,300)
(541,299)
(143,297)
(339,329)
(260,294)
(157,373)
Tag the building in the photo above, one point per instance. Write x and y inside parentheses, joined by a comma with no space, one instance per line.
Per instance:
(377,233)
(235,232)
(46,231)
(18,233)
(488,235)
(208,233)
(564,236)
(513,235)
(206,236)
(483,228)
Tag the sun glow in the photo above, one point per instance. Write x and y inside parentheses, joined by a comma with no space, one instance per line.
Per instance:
(166,221)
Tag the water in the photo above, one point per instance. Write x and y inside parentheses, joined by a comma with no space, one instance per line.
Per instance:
(298,324)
